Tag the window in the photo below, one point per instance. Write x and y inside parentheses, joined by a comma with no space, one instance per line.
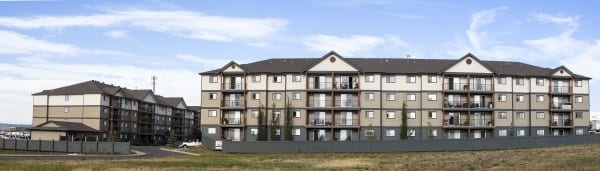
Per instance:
(579,115)
(66,109)
(390,132)
(105,123)
(256,78)
(579,132)
(432,79)
(253,131)
(210,130)
(369,133)
(432,115)
(277,114)
(297,78)
(369,78)
(539,82)
(295,95)
(502,98)
(66,97)
(390,79)
(520,81)
(369,114)
(502,133)
(520,98)
(277,78)
(411,79)
(411,132)
(369,96)
(411,97)
(255,96)
(539,115)
(432,97)
(278,132)
(212,96)
(578,83)
(390,114)
(539,98)
(255,113)
(578,99)
(521,115)
(412,115)
(212,113)
(433,133)
(540,132)
(502,80)
(297,114)
(296,131)
(276,96)
(212,79)
(105,110)
(521,132)
(390,96)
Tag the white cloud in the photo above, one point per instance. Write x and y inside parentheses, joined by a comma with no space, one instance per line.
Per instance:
(557,19)
(346,46)
(478,21)
(259,44)
(208,62)
(185,24)
(352,3)
(116,34)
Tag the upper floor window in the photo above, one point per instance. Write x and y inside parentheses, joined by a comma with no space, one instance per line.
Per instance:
(369,114)
(390,114)
(276,96)
(256,78)
(66,97)
(539,98)
(412,115)
(502,98)
(390,79)
(213,79)
(66,109)
(297,78)
(411,97)
(578,83)
(212,96)
(539,82)
(390,96)
(578,115)
(520,98)
(521,115)
(370,78)
(411,79)
(502,80)
(432,97)
(501,115)
(578,99)
(255,96)
(369,96)
(295,96)
(520,81)
(432,79)
(432,115)
(212,113)
(277,78)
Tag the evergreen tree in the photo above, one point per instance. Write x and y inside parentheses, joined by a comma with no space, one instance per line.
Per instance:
(404,126)
(370,136)
(288,123)
(262,125)
(430,130)
(274,125)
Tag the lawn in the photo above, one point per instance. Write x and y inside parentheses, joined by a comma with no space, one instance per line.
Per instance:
(580,157)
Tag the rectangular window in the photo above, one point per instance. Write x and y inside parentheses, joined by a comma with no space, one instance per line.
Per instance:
(213,79)
(212,113)
(502,98)
(432,79)
(66,97)
(255,113)
(411,132)
(520,81)
(539,115)
(411,97)
(277,131)
(277,78)
(579,132)
(66,109)
(411,79)
(578,83)
(432,97)
(297,78)
(256,78)
(253,131)
(211,130)
(277,114)
(520,115)
(578,115)
(432,115)
(105,110)
(369,78)
(433,133)
(296,132)
(297,113)
(502,133)
(369,96)
(369,114)
(540,132)
(390,114)
(276,96)
(520,98)
(539,82)
(502,80)
(578,99)
(369,133)
(296,96)
(255,96)
(212,96)
(539,98)
(521,132)
(390,132)
(390,79)
(390,96)
(412,115)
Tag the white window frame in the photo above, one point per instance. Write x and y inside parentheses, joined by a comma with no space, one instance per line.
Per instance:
(502,115)
(369,114)
(432,114)
(520,81)
(390,79)
(212,96)
(520,98)
(502,80)
(390,114)
(579,132)
(297,113)
(277,131)
(434,133)
(432,79)
(370,78)
(297,78)
(369,133)
(277,79)
(502,98)
(579,83)
(254,113)
(540,132)
(412,114)
(209,131)
(539,81)
(520,132)
(390,96)
(296,96)
(520,115)
(255,96)
(212,113)
(296,132)
(411,133)
(213,79)
(277,96)
(66,109)
(578,115)
(369,96)
(432,97)
(539,98)
(502,133)
(578,99)
(66,98)
(253,131)
(411,97)
(411,79)
(256,78)
(390,133)
(540,115)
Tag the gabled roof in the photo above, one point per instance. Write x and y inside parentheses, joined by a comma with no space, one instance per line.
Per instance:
(87,87)
(137,94)
(64,126)
(195,108)
(326,56)
(470,55)
(170,101)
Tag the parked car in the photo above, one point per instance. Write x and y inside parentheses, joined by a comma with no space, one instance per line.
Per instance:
(189,144)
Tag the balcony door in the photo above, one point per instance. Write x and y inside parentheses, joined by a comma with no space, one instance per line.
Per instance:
(454,101)
(235,83)
(236,118)
(319,100)
(234,100)
(478,119)
(346,118)
(346,100)
(453,83)
(319,135)
(479,84)
(236,134)
(345,135)
(559,86)
(319,118)
(320,82)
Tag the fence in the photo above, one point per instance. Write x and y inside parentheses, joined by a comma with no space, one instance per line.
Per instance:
(405,145)
(83,147)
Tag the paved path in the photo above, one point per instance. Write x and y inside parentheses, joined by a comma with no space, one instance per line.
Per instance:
(151,152)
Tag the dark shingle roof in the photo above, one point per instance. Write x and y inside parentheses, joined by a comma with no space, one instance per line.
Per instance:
(64,126)
(136,94)
(195,108)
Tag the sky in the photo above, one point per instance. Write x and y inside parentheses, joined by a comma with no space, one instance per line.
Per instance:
(50,44)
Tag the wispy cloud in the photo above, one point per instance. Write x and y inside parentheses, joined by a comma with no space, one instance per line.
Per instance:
(351,3)
(192,25)
(479,20)
(346,45)
(116,34)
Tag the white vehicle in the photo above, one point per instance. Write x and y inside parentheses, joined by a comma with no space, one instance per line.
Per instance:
(190,144)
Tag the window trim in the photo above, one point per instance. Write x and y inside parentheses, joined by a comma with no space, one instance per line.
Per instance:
(213,79)
(208,131)
(411,79)
(209,113)
(256,80)
(367,114)
(393,114)
(411,115)
(390,96)
(432,79)
(278,95)
(390,133)
(411,95)
(522,98)
(537,98)
(578,99)
(502,80)
(296,76)
(537,115)
(430,95)
(578,115)
(277,79)
(372,80)
(579,83)
(210,96)
(432,114)
(298,94)
(537,81)
(500,114)
(390,79)
(519,114)
(367,96)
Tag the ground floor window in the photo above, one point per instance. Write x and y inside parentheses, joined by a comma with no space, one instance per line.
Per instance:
(502,133)
(540,132)
(579,132)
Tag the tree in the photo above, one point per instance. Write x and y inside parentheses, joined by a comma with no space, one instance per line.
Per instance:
(370,135)
(430,130)
(287,134)
(404,126)
(275,124)
(262,125)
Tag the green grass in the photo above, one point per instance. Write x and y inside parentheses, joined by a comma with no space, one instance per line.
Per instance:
(581,157)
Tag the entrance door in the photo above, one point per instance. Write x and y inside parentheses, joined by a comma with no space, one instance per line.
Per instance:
(343,135)
(319,135)
(236,134)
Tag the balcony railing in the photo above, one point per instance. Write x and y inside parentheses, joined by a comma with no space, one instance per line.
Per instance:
(346,86)
(320,86)
(233,103)
(561,122)
(319,122)
(233,86)
(456,87)
(231,121)
(561,106)
(347,122)
(319,103)
(465,104)
(560,89)
(469,122)
(346,103)
(481,87)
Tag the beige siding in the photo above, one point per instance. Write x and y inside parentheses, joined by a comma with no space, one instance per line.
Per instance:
(437,103)
(521,105)
(206,120)
(521,88)
(291,85)
(40,100)
(276,86)
(396,103)
(474,67)
(390,86)
(563,74)
(537,88)
(207,102)
(250,102)
(435,122)
(503,122)
(259,85)
(542,121)
(521,122)
(278,103)
(584,105)
(540,105)
(47,135)
(582,121)
(365,122)
(503,87)
(39,111)
(327,65)
(297,103)
(375,85)
(503,105)
(370,103)
(233,68)
(584,89)
(207,85)
(402,82)
(391,121)
(59,100)
(437,86)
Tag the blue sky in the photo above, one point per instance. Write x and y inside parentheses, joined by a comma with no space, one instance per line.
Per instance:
(48,44)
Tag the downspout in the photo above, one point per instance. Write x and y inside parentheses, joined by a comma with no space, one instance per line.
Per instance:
(381,107)
(512,103)
(530,111)
(47,107)
(421,106)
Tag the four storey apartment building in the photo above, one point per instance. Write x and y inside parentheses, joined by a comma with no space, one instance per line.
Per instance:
(333,98)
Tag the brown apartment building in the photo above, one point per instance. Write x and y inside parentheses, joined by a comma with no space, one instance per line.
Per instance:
(338,99)
(94,110)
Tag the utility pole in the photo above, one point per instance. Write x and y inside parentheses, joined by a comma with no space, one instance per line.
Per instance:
(154,84)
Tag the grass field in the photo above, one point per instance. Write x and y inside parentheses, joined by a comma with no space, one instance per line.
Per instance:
(581,157)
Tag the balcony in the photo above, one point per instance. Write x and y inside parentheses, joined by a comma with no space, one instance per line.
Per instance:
(346,104)
(233,86)
(347,122)
(557,107)
(468,123)
(465,87)
(465,105)
(233,103)
(319,122)
(560,90)
(320,85)
(561,123)
(232,121)
(313,103)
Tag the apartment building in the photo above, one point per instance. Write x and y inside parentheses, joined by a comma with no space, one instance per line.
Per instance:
(94,110)
(333,98)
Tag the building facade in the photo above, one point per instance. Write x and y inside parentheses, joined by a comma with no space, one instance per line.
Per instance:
(333,98)
(93,110)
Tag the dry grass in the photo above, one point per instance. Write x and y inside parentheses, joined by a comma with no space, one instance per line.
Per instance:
(581,157)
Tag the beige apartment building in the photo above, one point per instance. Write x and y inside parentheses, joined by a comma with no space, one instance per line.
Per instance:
(333,98)
(93,110)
